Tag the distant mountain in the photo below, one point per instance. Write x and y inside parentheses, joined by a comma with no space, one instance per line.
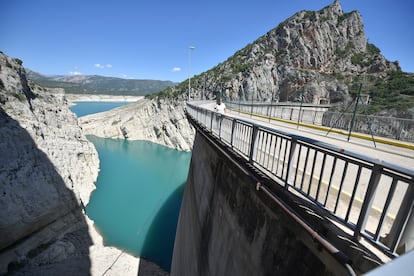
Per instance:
(93,84)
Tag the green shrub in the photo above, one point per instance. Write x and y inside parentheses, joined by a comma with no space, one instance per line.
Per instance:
(372,49)
(338,75)
(344,16)
(357,59)
(342,52)
(396,92)
(311,15)
(19,61)
(8,64)
(19,96)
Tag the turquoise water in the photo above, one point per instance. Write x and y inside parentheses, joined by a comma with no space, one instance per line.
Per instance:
(86,108)
(138,196)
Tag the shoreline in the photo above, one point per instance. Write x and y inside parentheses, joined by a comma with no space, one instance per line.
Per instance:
(101,98)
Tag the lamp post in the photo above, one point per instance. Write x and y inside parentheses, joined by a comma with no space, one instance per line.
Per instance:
(191,48)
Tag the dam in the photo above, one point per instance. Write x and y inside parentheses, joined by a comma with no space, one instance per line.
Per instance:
(262,202)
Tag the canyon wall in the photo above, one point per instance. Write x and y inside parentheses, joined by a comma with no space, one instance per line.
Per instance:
(158,121)
(47,166)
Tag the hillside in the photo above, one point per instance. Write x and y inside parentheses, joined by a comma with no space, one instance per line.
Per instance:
(323,55)
(85,84)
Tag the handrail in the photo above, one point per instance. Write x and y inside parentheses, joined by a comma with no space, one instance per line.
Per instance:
(388,127)
(322,241)
(372,198)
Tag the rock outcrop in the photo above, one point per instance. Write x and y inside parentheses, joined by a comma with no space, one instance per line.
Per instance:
(47,167)
(158,121)
(316,55)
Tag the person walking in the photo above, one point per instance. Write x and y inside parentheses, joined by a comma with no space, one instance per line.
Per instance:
(220,106)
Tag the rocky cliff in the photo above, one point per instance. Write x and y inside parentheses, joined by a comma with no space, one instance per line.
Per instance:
(47,166)
(317,54)
(158,121)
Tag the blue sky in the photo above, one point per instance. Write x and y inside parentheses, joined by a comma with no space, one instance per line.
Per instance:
(150,39)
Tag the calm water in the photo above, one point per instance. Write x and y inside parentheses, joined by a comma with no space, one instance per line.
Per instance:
(138,196)
(138,193)
(86,108)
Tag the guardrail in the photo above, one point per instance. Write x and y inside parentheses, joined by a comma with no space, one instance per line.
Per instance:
(389,127)
(370,197)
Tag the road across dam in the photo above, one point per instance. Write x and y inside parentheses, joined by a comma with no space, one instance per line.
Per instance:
(246,209)
(232,223)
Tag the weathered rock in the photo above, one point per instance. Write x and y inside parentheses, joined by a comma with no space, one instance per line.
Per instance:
(161,122)
(47,173)
(47,166)
(318,53)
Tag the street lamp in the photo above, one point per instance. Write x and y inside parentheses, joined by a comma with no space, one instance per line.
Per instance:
(191,48)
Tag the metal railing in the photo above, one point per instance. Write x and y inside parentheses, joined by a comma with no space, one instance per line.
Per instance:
(389,127)
(370,197)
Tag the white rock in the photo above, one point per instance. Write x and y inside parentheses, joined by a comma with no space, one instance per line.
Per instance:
(161,122)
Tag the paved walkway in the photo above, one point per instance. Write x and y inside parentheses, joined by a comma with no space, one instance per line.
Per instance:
(394,154)
(399,154)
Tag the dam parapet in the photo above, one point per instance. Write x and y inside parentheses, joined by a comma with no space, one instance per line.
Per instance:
(239,217)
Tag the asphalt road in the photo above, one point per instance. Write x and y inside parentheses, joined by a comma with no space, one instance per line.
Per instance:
(395,153)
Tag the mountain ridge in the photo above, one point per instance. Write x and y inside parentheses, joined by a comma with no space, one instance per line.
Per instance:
(96,84)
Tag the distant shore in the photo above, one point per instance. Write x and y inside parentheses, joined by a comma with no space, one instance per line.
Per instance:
(101,98)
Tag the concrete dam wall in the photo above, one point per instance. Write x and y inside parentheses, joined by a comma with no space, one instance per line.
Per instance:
(228,226)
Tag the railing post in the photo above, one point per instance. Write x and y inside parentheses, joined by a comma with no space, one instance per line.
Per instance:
(198,114)
(253,141)
(211,122)
(401,235)
(400,130)
(368,200)
(220,120)
(251,112)
(233,127)
(292,150)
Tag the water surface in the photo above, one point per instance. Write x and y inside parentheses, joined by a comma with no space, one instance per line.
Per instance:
(87,108)
(138,196)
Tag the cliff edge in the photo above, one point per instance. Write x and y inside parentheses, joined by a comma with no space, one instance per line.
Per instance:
(47,167)
(47,173)
(316,56)
(159,121)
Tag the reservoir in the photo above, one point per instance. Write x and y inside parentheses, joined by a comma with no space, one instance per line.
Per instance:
(138,194)
(87,108)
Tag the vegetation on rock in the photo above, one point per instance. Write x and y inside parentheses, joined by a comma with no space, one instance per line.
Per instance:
(100,85)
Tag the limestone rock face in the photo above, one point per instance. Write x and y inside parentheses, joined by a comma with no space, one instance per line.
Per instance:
(316,54)
(158,121)
(47,166)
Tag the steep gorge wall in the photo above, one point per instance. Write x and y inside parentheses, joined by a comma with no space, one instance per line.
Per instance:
(159,121)
(47,166)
